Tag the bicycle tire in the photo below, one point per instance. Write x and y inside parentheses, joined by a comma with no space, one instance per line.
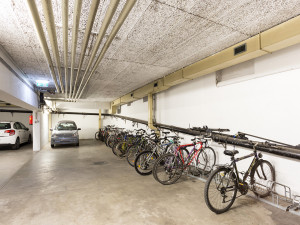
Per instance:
(210,163)
(120,149)
(220,174)
(131,154)
(138,163)
(253,179)
(97,135)
(168,162)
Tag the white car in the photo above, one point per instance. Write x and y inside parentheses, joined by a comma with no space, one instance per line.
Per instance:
(14,134)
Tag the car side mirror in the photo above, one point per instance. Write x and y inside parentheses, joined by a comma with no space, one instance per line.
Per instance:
(79,129)
(27,129)
(51,129)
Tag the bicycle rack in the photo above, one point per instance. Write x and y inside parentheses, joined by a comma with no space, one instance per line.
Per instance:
(285,202)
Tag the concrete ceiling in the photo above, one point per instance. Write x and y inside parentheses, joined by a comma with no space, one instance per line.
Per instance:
(158,37)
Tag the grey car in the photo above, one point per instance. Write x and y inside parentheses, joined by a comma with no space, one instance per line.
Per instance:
(65,132)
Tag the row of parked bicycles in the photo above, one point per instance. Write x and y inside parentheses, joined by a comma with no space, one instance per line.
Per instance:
(162,154)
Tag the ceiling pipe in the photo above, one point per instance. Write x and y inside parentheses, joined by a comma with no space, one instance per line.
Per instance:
(76,18)
(65,8)
(48,13)
(122,17)
(106,21)
(38,27)
(93,10)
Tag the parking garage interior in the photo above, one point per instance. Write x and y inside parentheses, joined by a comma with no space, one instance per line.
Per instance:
(220,75)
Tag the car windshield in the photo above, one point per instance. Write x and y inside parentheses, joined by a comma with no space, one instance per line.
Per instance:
(4,126)
(66,126)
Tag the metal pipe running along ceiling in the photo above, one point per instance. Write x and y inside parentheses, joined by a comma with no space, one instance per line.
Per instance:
(106,21)
(41,36)
(71,92)
(48,13)
(76,18)
(122,17)
(93,11)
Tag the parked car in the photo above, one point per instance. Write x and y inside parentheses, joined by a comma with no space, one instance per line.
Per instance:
(13,134)
(65,132)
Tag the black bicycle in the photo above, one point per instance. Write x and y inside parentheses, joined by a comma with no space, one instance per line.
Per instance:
(224,182)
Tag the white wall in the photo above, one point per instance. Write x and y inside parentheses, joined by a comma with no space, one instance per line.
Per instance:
(88,123)
(267,106)
(12,89)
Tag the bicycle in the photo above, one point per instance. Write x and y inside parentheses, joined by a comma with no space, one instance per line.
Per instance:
(224,182)
(145,160)
(169,167)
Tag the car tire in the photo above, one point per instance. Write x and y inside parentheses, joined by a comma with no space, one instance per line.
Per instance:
(77,144)
(52,145)
(29,139)
(17,144)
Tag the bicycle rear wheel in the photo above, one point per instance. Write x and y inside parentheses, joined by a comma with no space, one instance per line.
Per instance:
(220,190)
(261,176)
(167,169)
(144,162)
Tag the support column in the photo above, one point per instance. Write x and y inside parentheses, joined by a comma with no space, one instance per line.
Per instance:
(36,133)
(99,119)
(49,126)
(150,113)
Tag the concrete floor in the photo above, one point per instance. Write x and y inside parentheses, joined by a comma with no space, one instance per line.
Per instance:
(89,185)
(12,160)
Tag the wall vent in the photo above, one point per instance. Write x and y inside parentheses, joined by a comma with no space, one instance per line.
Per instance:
(240,49)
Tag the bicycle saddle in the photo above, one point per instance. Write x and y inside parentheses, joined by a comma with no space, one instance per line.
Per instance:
(231,152)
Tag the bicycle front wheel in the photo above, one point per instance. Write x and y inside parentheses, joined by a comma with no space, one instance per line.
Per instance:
(261,176)
(132,153)
(167,169)
(206,160)
(144,162)
(220,190)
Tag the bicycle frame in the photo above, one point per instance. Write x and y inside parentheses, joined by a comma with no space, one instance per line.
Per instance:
(235,160)
(191,155)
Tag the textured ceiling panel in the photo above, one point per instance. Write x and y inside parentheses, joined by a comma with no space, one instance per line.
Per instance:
(157,38)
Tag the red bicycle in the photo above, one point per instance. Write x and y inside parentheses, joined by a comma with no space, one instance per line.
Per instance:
(169,167)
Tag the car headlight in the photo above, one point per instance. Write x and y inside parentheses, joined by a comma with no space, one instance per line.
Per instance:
(75,134)
(54,136)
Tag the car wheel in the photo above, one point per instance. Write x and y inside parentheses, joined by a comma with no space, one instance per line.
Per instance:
(77,144)
(16,145)
(29,139)
(52,145)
